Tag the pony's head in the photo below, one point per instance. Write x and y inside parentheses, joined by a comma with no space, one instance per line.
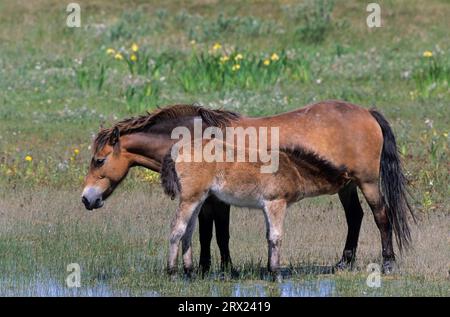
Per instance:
(115,151)
(109,166)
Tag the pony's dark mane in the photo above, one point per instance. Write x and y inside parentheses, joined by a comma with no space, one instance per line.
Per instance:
(169,178)
(211,117)
(316,164)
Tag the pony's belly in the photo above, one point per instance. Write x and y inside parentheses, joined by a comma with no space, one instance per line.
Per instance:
(237,200)
(314,192)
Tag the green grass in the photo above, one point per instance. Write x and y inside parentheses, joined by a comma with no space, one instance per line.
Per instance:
(58,85)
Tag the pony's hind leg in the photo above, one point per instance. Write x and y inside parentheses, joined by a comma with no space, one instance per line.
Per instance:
(183,216)
(274,212)
(354,215)
(374,198)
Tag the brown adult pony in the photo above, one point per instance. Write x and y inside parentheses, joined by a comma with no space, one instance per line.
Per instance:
(342,133)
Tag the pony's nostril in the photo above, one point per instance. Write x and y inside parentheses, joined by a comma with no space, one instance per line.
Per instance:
(97,202)
(85,201)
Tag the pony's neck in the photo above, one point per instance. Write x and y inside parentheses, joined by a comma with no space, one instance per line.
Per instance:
(148,148)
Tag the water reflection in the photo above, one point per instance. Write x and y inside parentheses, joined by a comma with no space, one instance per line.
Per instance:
(321,288)
(288,288)
(54,288)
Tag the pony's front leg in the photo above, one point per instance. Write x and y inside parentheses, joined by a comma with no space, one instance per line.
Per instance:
(274,212)
(186,244)
(179,226)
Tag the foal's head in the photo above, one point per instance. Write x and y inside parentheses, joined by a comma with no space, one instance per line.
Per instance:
(109,166)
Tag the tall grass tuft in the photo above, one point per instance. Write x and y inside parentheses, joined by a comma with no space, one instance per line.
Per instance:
(314,18)
(431,75)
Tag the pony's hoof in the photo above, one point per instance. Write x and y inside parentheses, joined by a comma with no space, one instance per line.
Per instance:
(204,274)
(188,274)
(204,268)
(234,273)
(389,267)
(343,265)
(172,272)
(228,271)
(276,276)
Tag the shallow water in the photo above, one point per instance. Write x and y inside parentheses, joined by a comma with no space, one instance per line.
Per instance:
(320,288)
(53,288)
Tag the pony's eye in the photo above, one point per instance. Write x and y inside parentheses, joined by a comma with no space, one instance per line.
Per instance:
(99,162)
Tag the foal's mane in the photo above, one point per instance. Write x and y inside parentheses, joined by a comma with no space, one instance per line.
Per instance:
(316,164)
(211,117)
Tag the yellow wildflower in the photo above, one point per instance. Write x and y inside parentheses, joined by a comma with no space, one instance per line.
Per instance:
(110,51)
(151,176)
(193,42)
(266,62)
(274,57)
(76,151)
(118,56)
(428,54)
(134,47)
(133,57)
(28,158)
(238,57)
(235,67)
(224,59)
(216,46)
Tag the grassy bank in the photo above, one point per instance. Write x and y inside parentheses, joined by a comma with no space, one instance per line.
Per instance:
(122,249)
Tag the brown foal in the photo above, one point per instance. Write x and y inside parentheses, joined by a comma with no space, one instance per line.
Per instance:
(299,174)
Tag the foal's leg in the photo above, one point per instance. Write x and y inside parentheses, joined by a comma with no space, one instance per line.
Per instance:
(183,216)
(274,212)
(186,243)
(354,215)
(206,223)
(222,224)
(374,198)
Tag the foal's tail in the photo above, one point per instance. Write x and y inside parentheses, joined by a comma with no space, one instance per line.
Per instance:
(169,177)
(393,185)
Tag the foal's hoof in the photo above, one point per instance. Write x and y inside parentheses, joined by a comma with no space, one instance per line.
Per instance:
(389,267)
(172,273)
(188,274)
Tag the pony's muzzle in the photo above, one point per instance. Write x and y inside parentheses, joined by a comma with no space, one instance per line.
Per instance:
(92,198)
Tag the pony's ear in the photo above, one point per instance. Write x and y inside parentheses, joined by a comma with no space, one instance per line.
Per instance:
(114,138)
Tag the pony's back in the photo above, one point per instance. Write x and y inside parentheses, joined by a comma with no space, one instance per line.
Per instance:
(243,180)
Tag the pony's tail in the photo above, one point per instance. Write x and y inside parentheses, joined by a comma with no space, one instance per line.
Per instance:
(169,177)
(393,185)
